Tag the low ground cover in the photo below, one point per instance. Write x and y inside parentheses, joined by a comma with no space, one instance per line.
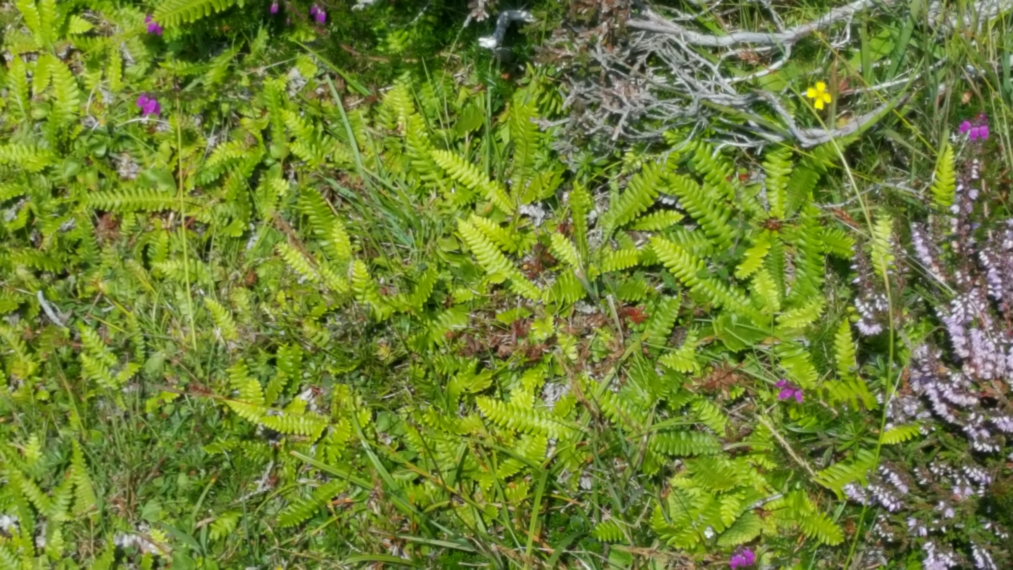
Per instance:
(326,285)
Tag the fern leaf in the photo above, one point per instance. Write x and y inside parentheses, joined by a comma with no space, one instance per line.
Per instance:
(32,159)
(657,221)
(609,531)
(944,184)
(844,350)
(689,269)
(661,321)
(708,210)
(224,525)
(685,443)
(754,256)
(247,388)
(684,359)
(618,259)
(801,317)
(177,12)
(837,476)
(468,174)
(744,529)
(640,194)
(564,249)
(493,261)
(521,418)
(882,247)
(777,166)
(225,325)
(85,501)
(302,509)
(900,434)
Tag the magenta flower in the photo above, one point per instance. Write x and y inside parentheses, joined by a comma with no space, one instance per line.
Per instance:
(789,390)
(275,7)
(743,558)
(976,130)
(318,14)
(149,105)
(153,26)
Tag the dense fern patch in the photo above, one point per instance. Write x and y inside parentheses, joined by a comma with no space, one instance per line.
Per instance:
(270,322)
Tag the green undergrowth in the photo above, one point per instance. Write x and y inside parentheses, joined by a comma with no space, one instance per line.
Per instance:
(279,325)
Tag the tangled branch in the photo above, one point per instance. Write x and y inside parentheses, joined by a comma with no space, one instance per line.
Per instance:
(667,73)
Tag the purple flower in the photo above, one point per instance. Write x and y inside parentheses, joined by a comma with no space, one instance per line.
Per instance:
(275,7)
(153,26)
(742,558)
(789,390)
(318,14)
(149,105)
(976,130)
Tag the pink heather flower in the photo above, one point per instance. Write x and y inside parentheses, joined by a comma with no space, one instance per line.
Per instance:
(976,130)
(789,390)
(153,26)
(318,14)
(275,7)
(149,105)
(743,558)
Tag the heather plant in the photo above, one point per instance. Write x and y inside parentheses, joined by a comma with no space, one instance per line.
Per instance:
(938,503)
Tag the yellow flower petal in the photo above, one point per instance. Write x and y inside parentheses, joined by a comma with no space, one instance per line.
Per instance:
(821,86)
(818,104)
(810,93)
(827,97)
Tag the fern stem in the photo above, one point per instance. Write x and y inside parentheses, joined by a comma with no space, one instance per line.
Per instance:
(180,185)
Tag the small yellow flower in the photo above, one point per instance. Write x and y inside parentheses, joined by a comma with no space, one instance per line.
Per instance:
(820,94)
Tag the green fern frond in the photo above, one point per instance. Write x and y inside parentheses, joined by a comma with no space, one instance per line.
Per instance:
(580,206)
(900,434)
(657,221)
(32,159)
(133,199)
(618,259)
(225,325)
(172,13)
(306,424)
(609,531)
(684,359)
(564,250)
(640,194)
(224,525)
(844,350)
(710,414)
(468,174)
(797,364)
(661,320)
(690,271)
(836,241)
(744,529)
(801,317)
(777,166)
(303,508)
(493,261)
(754,256)
(882,245)
(708,211)
(944,183)
(66,94)
(522,418)
(838,475)
(685,443)
(85,501)
(247,388)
